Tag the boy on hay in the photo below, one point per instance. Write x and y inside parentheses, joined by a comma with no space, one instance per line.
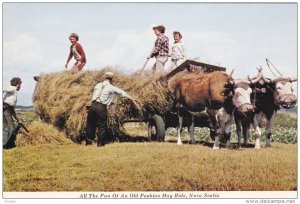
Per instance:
(103,95)
(77,51)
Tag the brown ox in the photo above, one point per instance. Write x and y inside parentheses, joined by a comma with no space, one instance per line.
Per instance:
(213,93)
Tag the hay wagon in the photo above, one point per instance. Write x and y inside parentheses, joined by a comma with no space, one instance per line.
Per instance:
(157,124)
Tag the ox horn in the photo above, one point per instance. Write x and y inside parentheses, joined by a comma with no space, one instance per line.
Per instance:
(293,79)
(242,81)
(285,79)
(231,73)
(264,78)
(252,80)
(258,77)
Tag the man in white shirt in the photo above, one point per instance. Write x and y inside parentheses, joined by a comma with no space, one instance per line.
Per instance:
(103,96)
(178,54)
(9,103)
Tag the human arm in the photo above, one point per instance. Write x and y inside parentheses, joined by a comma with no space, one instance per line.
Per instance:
(69,58)
(157,48)
(136,102)
(10,89)
(121,92)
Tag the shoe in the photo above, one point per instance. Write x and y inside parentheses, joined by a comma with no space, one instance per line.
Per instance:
(100,145)
(88,142)
(80,139)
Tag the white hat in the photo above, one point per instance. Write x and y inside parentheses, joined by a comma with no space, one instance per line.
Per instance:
(108,75)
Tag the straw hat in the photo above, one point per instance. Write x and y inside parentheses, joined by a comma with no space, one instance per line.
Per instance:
(108,75)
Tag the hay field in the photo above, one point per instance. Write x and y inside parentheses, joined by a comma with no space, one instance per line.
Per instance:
(142,166)
(149,166)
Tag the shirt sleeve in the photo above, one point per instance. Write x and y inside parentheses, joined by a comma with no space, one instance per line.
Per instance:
(118,91)
(10,89)
(70,55)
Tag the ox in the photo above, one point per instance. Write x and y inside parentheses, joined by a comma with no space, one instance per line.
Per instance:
(217,94)
(268,95)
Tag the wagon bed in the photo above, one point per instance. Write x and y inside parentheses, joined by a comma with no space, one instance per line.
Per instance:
(157,124)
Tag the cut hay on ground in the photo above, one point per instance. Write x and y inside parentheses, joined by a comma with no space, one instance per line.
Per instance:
(41,133)
(61,99)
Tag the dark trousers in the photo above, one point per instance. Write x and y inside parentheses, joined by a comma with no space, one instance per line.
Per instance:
(97,117)
(9,130)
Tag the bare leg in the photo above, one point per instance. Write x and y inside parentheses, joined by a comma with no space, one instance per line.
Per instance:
(74,69)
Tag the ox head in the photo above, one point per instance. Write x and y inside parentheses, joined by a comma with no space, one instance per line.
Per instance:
(240,91)
(283,91)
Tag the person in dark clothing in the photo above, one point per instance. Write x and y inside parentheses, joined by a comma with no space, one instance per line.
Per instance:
(103,96)
(9,103)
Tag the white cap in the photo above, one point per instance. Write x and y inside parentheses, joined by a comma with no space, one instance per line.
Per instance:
(109,75)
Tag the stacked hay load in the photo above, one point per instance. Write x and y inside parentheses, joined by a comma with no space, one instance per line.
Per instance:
(61,99)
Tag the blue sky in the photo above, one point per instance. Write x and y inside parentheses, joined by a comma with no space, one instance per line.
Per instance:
(237,35)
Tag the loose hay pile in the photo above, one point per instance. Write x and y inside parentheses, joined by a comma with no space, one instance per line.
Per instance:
(41,133)
(61,99)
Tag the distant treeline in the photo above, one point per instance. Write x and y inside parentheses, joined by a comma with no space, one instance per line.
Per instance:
(24,108)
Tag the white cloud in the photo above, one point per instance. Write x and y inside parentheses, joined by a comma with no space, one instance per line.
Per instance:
(24,56)
(129,50)
(23,49)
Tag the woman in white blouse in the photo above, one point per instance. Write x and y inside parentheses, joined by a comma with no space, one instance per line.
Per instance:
(178,54)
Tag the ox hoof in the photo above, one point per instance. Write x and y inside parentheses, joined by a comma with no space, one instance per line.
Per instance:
(179,143)
(257,146)
(228,146)
(192,142)
(268,144)
(216,147)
